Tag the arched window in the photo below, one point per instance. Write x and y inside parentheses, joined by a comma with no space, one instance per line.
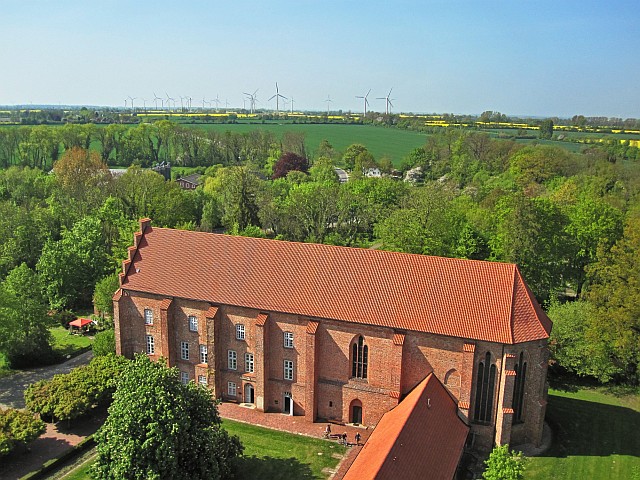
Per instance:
(518,389)
(359,358)
(485,390)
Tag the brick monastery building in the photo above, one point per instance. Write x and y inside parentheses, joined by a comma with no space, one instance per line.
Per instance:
(335,333)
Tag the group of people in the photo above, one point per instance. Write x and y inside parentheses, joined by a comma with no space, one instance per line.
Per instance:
(343,437)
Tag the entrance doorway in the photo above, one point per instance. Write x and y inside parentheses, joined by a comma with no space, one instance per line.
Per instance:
(288,404)
(248,393)
(356,412)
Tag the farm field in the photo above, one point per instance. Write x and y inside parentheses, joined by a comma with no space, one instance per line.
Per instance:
(390,142)
(595,436)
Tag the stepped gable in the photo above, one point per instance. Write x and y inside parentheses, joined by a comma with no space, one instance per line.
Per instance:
(422,437)
(446,296)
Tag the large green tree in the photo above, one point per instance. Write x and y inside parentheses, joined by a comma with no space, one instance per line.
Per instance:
(160,428)
(24,333)
(615,293)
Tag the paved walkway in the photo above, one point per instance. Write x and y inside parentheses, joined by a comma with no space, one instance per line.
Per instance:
(300,426)
(54,442)
(12,387)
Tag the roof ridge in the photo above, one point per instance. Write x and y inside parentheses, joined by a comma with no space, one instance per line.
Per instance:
(512,304)
(405,420)
(341,247)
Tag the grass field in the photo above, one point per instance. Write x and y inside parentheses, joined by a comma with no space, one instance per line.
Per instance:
(281,456)
(66,344)
(596,436)
(390,142)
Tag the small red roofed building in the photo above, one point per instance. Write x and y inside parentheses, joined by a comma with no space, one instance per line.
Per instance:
(422,437)
(335,333)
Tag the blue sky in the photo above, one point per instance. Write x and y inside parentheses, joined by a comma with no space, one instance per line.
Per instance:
(541,58)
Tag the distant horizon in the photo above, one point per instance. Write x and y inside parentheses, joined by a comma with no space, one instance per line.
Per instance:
(551,59)
(50,106)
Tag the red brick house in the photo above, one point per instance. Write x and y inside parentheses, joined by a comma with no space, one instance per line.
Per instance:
(335,333)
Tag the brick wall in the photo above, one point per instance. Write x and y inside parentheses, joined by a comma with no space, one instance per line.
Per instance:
(322,385)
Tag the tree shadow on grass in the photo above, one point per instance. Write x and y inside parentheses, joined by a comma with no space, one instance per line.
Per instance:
(584,428)
(248,468)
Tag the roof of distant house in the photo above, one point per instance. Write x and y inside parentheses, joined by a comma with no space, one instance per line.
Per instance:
(422,437)
(447,296)
(194,178)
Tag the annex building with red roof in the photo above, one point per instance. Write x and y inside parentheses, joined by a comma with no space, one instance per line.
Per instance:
(340,334)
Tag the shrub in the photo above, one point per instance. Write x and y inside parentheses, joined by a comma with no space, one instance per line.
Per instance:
(104,343)
(503,464)
(68,396)
(17,428)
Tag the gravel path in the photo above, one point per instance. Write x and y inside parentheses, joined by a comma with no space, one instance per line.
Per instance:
(12,387)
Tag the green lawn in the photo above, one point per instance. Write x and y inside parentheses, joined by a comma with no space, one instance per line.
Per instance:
(66,344)
(596,436)
(279,455)
(269,454)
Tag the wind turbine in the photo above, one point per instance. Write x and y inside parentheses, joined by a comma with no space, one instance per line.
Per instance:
(277,96)
(328,100)
(125,103)
(169,101)
(365,101)
(388,100)
(291,104)
(253,98)
(155,99)
(132,99)
(181,103)
(217,102)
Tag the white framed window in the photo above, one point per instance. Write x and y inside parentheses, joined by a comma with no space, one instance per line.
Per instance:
(202,380)
(232,360)
(204,355)
(184,350)
(288,339)
(148,316)
(151,346)
(248,362)
(184,377)
(231,389)
(240,331)
(288,369)
(193,323)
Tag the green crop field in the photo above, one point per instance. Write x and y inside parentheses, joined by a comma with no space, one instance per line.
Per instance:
(390,142)
(595,437)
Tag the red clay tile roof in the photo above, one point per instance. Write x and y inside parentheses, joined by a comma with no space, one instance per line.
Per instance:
(447,296)
(422,437)
(312,327)
(262,319)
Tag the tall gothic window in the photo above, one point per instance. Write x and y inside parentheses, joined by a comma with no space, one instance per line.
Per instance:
(485,390)
(360,358)
(518,389)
